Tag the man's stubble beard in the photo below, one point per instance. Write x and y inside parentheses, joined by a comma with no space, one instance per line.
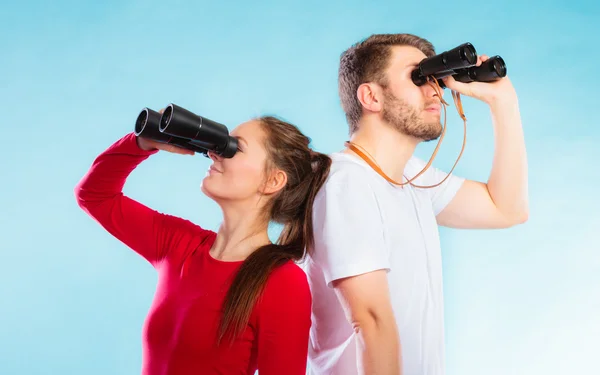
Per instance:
(406,119)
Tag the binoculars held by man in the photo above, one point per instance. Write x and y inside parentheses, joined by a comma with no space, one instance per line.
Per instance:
(459,62)
(180,127)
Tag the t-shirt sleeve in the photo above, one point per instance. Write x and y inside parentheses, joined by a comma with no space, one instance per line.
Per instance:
(347,225)
(440,195)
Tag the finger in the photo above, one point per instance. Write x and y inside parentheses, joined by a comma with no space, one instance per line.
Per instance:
(184,151)
(161,111)
(453,84)
(448,80)
(479,61)
(179,150)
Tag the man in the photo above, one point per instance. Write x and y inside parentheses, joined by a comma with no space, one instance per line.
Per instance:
(375,271)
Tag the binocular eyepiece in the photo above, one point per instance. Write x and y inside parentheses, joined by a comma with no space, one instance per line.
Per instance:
(180,127)
(459,62)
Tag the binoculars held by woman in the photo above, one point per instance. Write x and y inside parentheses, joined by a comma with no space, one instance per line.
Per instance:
(180,127)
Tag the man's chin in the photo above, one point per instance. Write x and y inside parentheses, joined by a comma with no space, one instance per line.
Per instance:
(429,139)
(434,131)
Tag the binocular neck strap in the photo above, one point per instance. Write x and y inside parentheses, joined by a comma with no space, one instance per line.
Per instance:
(363,154)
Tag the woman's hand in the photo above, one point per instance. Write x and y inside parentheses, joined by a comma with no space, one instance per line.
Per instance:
(149,145)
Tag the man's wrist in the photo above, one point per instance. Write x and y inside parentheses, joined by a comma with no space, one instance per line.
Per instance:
(503,102)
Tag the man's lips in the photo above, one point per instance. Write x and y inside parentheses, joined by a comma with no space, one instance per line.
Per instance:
(434,108)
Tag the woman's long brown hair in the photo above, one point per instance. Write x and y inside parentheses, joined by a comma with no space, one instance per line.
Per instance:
(288,150)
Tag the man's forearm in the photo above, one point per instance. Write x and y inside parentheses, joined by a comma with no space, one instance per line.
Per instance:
(508,184)
(379,348)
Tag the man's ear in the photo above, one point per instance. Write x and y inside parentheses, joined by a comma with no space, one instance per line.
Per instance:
(276,180)
(370,97)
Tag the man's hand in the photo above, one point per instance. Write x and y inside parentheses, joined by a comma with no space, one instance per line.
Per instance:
(488,92)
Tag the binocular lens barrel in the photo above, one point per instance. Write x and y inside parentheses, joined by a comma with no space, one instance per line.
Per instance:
(491,70)
(146,126)
(183,128)
(459,62)
(420,80)
(459,57)
(180,122)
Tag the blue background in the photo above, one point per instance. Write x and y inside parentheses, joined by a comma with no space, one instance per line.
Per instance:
(74,76)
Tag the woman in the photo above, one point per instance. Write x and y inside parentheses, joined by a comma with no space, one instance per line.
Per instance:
(229,302)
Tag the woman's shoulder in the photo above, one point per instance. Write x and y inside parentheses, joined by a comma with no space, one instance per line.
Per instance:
(287,281)
(184,237)
(283,316)
(289,273)
(184,226)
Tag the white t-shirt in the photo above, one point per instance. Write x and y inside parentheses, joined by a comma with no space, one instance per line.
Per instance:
(363,223)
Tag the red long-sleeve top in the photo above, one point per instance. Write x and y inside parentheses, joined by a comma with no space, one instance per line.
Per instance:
(179,334)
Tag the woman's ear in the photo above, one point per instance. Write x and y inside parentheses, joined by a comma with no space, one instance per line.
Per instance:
(276,180)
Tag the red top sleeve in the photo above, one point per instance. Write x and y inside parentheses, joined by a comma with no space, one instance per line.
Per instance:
(148,232)
(284,322)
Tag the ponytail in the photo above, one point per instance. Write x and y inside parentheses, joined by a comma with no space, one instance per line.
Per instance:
(301,231)
(296,236)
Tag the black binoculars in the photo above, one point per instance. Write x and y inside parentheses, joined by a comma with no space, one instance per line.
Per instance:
(459,62)
(180,127)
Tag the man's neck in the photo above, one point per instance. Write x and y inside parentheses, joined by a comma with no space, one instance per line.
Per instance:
(389,148)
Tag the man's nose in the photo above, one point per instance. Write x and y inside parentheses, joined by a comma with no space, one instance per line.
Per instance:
(430,90)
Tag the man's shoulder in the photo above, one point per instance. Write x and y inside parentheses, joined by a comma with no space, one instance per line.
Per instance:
(414,165)
(349,179)
(345,167)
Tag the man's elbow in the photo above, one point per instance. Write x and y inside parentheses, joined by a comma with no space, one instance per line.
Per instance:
(373,320)
(522,217)
(516,218)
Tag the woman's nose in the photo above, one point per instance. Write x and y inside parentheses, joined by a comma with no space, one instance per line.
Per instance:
(213,156)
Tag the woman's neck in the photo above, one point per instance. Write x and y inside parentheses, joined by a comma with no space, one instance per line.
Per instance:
(239,235)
